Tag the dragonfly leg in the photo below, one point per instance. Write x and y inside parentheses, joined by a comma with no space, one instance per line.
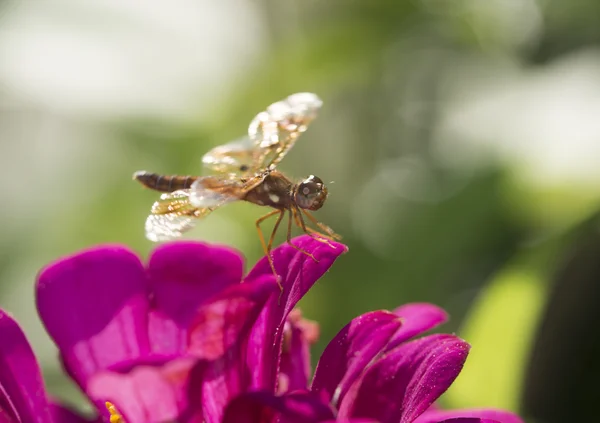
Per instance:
(289,238)
(316,235)
(330,233)
(279,219)
(264,244)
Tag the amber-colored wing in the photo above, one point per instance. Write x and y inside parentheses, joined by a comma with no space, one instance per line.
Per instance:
(271,134)
(234,160)
(171,216)
(177,212)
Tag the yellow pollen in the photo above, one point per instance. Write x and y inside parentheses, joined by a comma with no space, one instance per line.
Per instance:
(115,417)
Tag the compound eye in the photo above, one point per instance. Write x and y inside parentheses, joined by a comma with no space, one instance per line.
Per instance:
(311,193)
(309,189)
(314,179)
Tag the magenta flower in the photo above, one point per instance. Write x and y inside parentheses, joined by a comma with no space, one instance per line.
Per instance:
(183,340)
(145,337)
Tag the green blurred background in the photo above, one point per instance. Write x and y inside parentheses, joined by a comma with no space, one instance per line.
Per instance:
(462,136)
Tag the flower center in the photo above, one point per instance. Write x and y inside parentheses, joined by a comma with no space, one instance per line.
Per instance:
(115,416)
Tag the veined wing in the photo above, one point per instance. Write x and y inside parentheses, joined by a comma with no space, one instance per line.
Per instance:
(171,216)
(235,159)
(271,134)
(177,212)
(275,130)
(165,227)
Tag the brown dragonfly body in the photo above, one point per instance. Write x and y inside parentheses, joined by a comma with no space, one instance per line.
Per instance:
(245,170)
(164,183)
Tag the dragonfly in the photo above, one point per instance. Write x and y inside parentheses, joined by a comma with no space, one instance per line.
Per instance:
(246,170)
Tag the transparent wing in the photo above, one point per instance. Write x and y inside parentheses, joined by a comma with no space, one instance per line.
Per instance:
(177,212)
(275,130)
(271,135)
(165,227)
(235,159)
(171,216)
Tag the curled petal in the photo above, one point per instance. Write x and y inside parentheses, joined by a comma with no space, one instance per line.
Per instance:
(263,407)
(501,416)
(404,383)
(94,305)
(21,385)
(298,271)
(350,351)
(183,276)
(417,318)
(298,274)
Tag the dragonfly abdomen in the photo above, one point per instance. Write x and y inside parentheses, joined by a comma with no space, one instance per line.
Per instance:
(164,183)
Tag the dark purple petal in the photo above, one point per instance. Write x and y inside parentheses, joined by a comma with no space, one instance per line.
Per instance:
(404,383)
(145,394)
(417,318)
(299,335)
(94,305)
(21,382)
(263,407)
(438,368)
(221,333)
(184,275)
(298,274)
(352,349)
(435,416)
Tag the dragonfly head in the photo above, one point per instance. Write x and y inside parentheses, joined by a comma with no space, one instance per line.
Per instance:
(311,193)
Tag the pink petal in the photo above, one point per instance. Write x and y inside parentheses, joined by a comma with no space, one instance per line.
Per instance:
(417,318)
(221,333)
(435,416)
(404,383)
(21,382)
(298,274)
(220,323)
(264,407)
(94,305)
(145,394)
(184,275)
(352,349)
